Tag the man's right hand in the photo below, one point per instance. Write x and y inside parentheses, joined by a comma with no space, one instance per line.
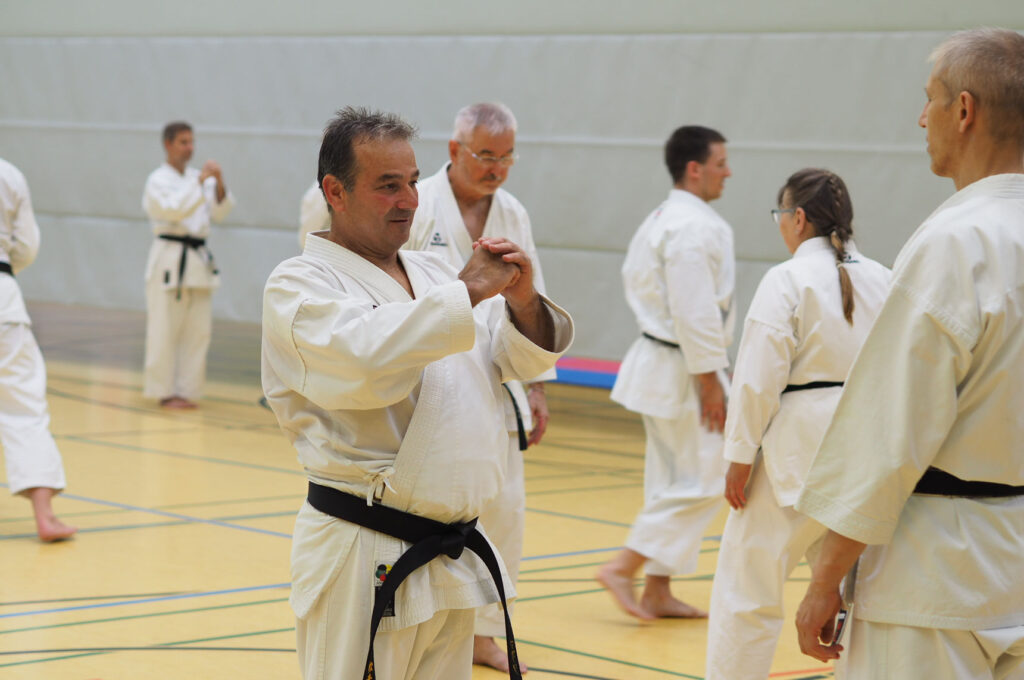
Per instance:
(486,275)
(210,168)
(712,401)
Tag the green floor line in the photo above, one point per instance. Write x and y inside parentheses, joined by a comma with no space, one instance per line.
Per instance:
(610,659)
(632,485)
(579,517)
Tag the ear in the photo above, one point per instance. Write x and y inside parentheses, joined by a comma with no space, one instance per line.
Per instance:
(453,150)
(967,106)
(334,192)
(799,221)
(694,170)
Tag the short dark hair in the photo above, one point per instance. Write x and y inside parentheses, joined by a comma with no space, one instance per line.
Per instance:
(350,126)
(174,128)
(689,143)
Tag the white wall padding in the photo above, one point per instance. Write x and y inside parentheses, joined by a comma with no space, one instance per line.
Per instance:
(81,117)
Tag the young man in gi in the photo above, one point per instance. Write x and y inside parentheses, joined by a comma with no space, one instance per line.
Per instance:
(921,473)
(459,204)
(34,466)
(384,368)
(679,275)
(180,273)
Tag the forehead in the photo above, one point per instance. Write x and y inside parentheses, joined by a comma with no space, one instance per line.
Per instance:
(375,158)
(716,152)
(481,139)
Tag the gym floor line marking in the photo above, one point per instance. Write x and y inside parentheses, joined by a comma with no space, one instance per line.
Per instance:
(151,615)
(585,489)
(146,600)
(174,454)
(173,515)
(608,658)
(566,515)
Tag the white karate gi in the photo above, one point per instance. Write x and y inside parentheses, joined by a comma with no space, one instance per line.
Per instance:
(313,213)
(30,454)
(178,330)
(795,334)
(397,398)
(438,228)
(939,382)
(679,276)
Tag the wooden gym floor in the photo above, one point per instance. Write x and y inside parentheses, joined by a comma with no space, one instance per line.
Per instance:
(180,566)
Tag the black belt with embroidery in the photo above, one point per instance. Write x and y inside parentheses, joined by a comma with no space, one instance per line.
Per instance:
(429,538)
(937,482)
(5,267)
(666,343)
(186,243)
(817,385)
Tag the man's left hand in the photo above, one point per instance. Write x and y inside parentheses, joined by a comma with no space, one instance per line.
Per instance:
(539,411)
(815,621)
(520,292)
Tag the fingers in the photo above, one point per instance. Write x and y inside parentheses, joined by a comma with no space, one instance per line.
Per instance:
(540,426)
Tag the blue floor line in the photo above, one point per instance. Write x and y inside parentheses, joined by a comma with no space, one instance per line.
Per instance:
(104,605)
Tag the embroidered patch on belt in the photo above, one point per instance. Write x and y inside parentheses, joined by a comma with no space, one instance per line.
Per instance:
(380,574)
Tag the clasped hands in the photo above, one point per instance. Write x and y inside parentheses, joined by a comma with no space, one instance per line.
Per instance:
(499,266)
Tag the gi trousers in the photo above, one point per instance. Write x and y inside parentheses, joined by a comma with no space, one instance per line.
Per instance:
(177,340)
(504,519)
(333,639)
(30,454)
(684,483)
(761,546)
(882,650)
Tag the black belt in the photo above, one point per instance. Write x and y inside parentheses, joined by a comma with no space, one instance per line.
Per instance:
(186,243)
(5,267)
(811,386)
(524,443)
(939,483)
(429,539)
(666,343)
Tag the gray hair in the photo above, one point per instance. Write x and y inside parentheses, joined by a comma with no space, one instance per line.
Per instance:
(494,117)
(988,63)
(350,126)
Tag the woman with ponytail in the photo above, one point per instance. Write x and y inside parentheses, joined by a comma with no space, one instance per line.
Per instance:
(804,327)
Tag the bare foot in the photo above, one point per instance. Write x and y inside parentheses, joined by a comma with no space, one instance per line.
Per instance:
(178,403)
(620,585)
(670,608)
(51,529)
(486,652)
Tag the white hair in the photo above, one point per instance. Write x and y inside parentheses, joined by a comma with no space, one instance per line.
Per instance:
(494,117)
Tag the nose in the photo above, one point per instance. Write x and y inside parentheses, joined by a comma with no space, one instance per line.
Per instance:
(410,198)
(922,120)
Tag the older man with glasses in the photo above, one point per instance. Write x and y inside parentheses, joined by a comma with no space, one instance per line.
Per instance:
(459,204)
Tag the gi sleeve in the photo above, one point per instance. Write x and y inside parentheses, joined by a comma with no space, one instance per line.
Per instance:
(898,405)
(342,352)
(696,316)
(218,211)
(530,248)
(516,357)
(170,200)
(762,373)
(25,235)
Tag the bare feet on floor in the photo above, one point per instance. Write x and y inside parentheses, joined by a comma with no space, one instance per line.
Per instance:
(486,652)
(178,403)
(51,529)
(620,584)
(48,527)
(670,608)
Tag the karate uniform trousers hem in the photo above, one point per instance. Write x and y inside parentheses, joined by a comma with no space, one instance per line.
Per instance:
(30,453)
(177,341)
(761,546)
(684,483)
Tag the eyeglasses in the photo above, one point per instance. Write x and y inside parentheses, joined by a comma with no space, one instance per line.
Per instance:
(778,211)
(488,159)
